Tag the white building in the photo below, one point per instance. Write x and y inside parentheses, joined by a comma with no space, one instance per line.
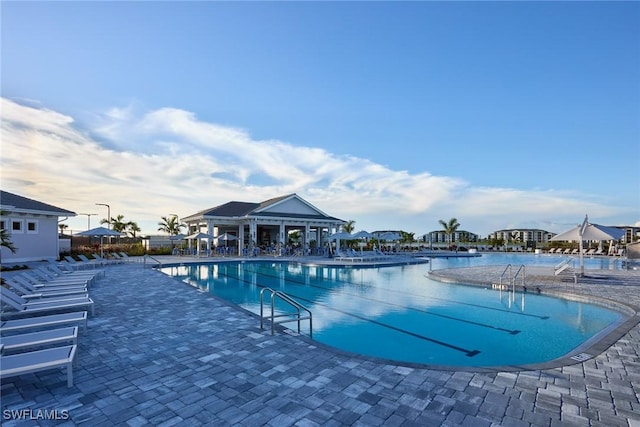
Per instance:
(31,226)
(264,223)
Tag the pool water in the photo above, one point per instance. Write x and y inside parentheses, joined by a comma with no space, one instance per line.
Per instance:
(398,313)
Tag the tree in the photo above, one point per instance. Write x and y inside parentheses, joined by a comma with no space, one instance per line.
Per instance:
(132,228)
(407,237)
(5,239)
(170,225)
(450,228)
(117,224)
(349,226)
(63,227)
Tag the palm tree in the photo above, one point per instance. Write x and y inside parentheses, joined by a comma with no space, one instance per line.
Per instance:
(5,239)
(349,226)
(62,227)
(170,225)
(117,224)
(133,228)
(450,227)
(407,237)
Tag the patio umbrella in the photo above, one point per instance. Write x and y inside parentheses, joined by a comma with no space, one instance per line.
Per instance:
(226,237)
(340,236)
(588,231)
(362,235)
(197,237)
(389,235)
(100,232)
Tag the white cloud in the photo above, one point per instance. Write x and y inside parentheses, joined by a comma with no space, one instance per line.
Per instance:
(167,161)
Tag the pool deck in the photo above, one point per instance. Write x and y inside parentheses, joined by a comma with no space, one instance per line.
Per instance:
(159,352)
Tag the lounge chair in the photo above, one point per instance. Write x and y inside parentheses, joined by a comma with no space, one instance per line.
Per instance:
(24,307)
(37,322)
(76,265)
(39,339)
(39,279)
(103,260)
(35,285)
(63,270)
(40,360)
(27,291)
(92,262)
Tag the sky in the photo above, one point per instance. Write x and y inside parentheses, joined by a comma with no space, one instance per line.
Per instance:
(392,114)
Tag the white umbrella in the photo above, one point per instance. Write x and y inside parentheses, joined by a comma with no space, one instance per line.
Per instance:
(226,237)
(340,236)
(362,235)
(389,235)
(100,232)
(199,236)
(588,231)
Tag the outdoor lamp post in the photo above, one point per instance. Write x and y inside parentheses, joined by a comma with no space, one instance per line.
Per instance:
(88,219)
(108,214)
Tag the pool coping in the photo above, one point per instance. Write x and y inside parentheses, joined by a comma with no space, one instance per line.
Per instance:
(589,349)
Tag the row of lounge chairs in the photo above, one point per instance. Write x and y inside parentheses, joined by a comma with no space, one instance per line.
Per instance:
(569,251)
(364,256)
(43,311)
(84,262)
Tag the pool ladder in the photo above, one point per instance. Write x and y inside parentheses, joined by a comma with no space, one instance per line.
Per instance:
(512,278)
(289,317)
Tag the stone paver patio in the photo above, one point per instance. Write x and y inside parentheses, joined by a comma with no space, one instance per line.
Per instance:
(161,353)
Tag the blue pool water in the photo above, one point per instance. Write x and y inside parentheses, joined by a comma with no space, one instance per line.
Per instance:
(399,314)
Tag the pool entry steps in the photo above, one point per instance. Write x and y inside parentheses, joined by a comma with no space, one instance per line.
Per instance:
(288,317)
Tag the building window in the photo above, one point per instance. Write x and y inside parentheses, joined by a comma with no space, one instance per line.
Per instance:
(32,227)
(16,226)
(3,224)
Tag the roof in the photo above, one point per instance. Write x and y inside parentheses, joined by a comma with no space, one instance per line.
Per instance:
(235,209)
(15,203)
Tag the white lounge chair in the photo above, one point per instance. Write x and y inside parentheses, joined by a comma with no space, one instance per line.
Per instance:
(41,277)
(32,282)
(40,360)
(39,339)
(37,322)
(27,291)
(24,307)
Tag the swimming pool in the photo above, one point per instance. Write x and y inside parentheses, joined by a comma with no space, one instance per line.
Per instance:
(398,313)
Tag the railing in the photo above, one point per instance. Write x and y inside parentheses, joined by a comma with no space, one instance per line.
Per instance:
(522,270)
(507,269)
(289,317)
(158,263)
(563,266)
(512,278)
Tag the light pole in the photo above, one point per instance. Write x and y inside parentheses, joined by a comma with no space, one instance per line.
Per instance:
(108,214)
(88,219)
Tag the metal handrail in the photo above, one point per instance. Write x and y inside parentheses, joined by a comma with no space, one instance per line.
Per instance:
(522,269)
(149,256)
(507,268)
(286,298)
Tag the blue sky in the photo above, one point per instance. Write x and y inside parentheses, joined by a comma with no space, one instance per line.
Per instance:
(395,115)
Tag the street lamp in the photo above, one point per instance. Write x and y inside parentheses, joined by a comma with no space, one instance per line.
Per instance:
(88,219)
(108,214)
